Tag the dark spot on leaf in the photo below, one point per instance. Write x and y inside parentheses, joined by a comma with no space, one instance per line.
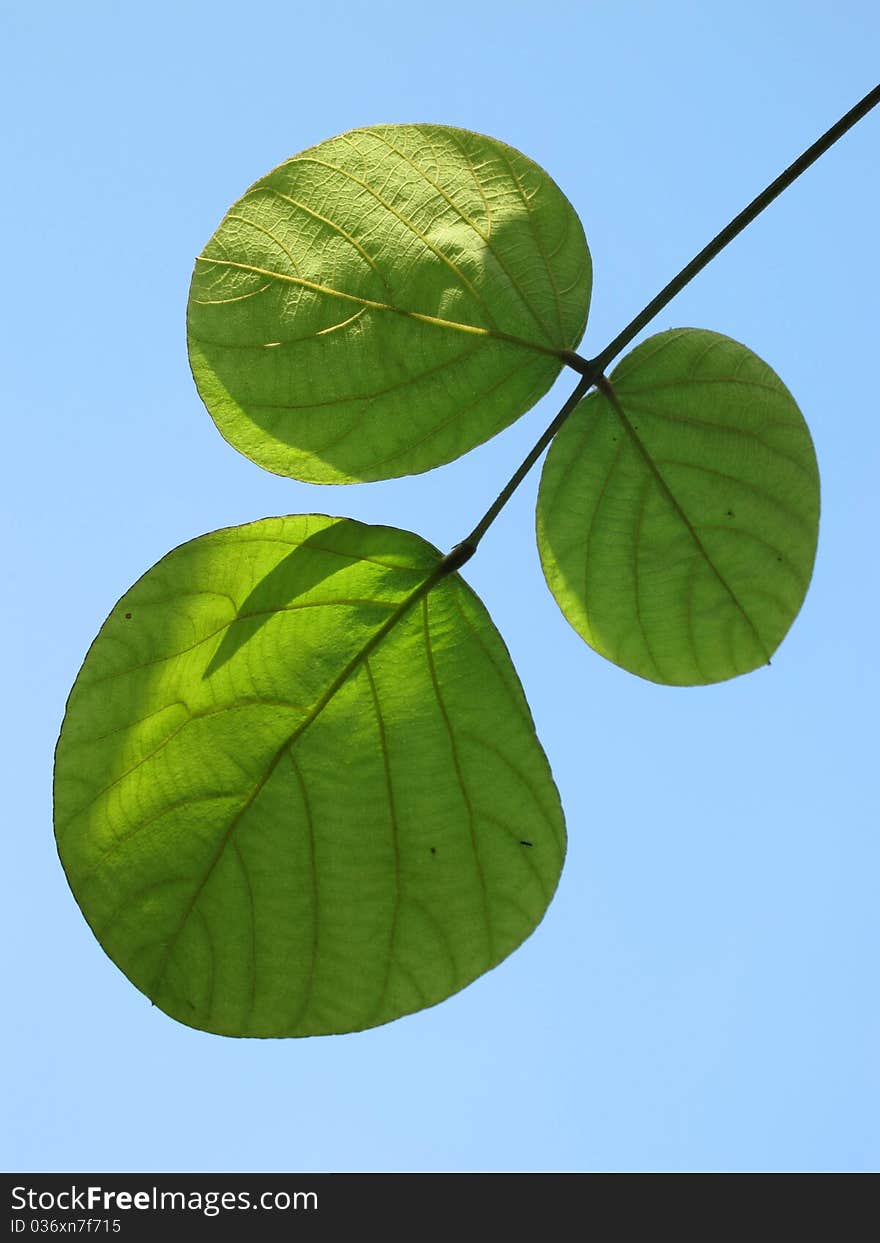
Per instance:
(128,616)
(522,843)
(730,513)
(433,850)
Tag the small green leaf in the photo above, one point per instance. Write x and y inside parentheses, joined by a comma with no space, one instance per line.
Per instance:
(678,511)
(385,301)
(299,793)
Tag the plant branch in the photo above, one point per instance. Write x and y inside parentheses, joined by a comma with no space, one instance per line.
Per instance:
(591,369)
(463,551)
(730,231)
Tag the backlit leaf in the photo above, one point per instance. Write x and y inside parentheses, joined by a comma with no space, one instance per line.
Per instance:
(385,301)
(678,511)
(298,793)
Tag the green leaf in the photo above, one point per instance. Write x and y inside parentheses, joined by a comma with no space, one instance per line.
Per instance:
(298,792)
(385,301)
(678,511)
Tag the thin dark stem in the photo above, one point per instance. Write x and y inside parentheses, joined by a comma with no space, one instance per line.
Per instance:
(727,234)
(591,369)
(465,550)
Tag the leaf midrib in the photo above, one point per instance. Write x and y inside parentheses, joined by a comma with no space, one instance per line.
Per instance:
(607,390)
(436,321)
(332,690)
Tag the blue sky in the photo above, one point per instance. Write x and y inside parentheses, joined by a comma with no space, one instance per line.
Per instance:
(702,993)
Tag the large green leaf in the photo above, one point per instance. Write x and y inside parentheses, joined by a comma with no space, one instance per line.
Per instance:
(298,793)
(678,511)
(386,301)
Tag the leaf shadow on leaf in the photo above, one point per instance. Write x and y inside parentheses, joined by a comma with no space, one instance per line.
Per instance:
(310,563)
